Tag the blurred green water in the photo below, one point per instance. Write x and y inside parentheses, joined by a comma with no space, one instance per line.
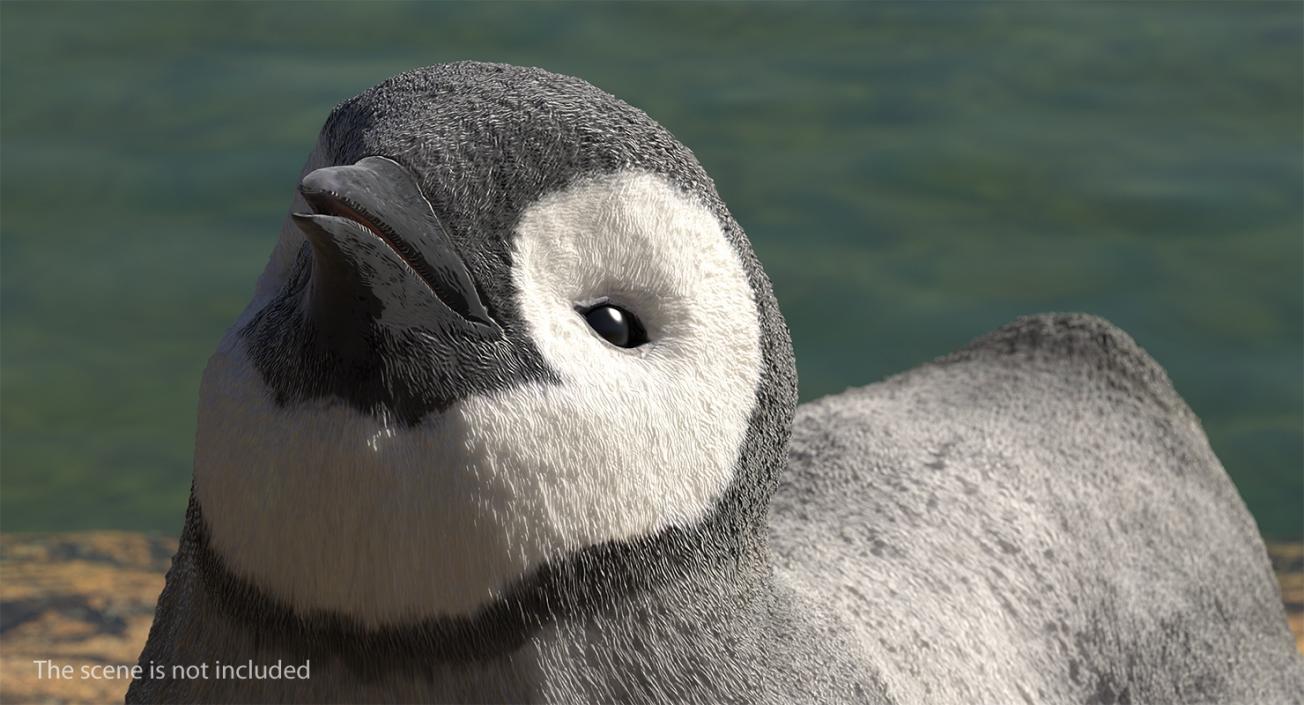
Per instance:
(911,175)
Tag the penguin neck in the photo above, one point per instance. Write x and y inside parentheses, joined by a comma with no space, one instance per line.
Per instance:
(710,558)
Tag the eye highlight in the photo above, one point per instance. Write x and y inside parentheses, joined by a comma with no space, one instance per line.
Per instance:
(615,324)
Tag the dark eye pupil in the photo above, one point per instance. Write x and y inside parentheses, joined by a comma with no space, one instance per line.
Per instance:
(616,325)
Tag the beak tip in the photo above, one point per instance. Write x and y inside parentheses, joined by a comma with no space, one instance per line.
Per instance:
(306,221)
(311,226)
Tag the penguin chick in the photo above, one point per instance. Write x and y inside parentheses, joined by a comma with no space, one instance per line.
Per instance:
(506,421)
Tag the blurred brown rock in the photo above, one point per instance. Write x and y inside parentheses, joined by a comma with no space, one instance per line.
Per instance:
(87,599)
(83,599)
(1288,563)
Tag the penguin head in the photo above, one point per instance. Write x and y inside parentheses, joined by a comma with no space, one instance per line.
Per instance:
(509,325)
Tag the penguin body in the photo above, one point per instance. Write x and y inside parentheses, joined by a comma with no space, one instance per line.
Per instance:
(1035,518)
(508,417)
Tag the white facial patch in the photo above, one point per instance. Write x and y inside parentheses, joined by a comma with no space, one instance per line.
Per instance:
(330,509)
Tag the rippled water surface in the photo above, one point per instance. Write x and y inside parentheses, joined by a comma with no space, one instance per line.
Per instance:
(911,175)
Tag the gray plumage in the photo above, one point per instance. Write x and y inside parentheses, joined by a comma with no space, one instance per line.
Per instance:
(1036,517)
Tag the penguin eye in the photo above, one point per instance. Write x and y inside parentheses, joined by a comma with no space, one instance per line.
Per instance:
(616,325)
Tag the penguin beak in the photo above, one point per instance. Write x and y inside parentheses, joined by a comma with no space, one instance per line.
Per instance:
(378,245)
